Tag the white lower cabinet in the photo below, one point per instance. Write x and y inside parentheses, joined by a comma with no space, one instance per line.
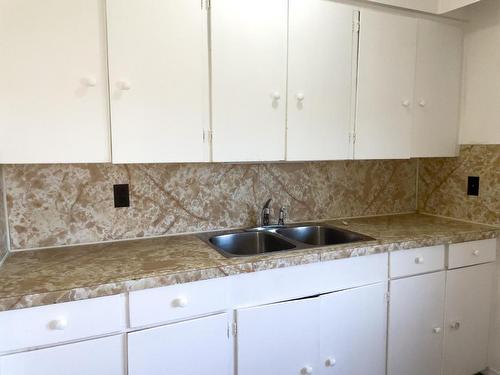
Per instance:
(281,338)
(194,347)
(468,305)
(92,357)
(416,325)
(353,324)
(321,335)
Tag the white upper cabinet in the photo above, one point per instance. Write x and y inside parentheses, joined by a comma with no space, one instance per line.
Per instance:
(53,91)
(158,61)
(249,59)
(437,89)
(386,76)
(321,64)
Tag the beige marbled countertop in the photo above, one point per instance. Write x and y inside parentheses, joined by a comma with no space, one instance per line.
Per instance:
(42,277)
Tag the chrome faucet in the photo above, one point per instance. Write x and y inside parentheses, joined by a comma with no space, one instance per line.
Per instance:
(265,214)
(282,216)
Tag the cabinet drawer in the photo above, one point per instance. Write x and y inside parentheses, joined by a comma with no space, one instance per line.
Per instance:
(469,253)
(62,322)
(416,261)
(177,302)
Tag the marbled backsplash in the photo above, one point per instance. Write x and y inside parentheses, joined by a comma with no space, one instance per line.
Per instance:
(442,188)
(52,205)
(3,224)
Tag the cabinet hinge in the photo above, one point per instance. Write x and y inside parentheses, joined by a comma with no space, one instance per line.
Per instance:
(387,297)
(355,26)
(205,4)
(207,135)
(352,138)
(234,329)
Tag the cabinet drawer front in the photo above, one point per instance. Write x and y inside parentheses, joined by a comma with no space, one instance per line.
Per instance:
(469,253)
(177,302)
(417,261)
(100,356)
(62,322)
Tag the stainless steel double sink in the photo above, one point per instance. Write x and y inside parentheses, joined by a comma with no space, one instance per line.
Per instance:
(262,240)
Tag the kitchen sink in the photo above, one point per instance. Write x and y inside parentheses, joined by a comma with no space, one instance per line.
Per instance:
(319,235)
(275,238)
(250,243)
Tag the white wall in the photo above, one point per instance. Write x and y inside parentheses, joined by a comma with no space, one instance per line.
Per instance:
(481,107)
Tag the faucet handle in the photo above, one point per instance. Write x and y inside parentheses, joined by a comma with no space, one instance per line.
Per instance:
(282,216)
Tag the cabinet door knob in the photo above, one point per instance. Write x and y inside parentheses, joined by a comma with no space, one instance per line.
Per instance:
(405,103)
(124,85)
(455,325)
(476,253)
(437,330)
(300,96)
(180,302)
(308,370)
(419,260)
(59,324)
(330,362)
(422,103)
(89,81)
(276,95)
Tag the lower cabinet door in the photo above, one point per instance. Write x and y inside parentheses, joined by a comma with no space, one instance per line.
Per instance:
(416,312)
(92,357)
(467,322)
(279,339)
(194,347)
(353,331)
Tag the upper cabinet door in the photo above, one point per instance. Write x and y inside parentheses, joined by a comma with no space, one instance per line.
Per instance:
(437,91)
(386,77)
(321,63)
(53,91)
(158,59)
(249,58)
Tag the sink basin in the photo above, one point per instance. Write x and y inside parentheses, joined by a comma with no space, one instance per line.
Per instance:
(317,235)
(249,243)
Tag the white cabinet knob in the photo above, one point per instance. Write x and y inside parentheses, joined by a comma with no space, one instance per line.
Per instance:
(89,81)
(124,85)
(455,325)
(300,96)
(405,103)
(330,362)
(308,370)
(419,260)
(276,95)
(180,302)
(59,324)
(422,103)
(437,330)
(476,253)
